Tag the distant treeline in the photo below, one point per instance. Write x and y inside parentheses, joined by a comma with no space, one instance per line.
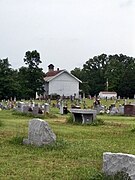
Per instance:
(100,73)
(108,72)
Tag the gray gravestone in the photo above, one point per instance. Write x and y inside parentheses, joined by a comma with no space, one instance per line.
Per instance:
(39,133)
(35,110)
(25,109)
(117,162)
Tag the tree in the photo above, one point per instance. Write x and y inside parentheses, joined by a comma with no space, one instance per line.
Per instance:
(32,77)
(32,59)
(120,73)
(118,70)
(94,70)
(8,80)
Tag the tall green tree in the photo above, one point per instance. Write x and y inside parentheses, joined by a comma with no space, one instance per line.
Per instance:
(8,80)
(31,77)
(95,69)
(121,75)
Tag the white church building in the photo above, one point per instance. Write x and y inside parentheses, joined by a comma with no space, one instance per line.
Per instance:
(61,82)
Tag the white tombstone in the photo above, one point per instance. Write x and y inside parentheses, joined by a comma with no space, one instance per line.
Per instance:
(39,133)
(46,108)
(117,162)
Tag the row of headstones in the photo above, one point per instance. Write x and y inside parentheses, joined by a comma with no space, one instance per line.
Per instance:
(112,110)
(40,134)
(32,108)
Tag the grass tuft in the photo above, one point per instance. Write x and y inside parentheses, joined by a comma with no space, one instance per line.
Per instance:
(58,145)
(17,140)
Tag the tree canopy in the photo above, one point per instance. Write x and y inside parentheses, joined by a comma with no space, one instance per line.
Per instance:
(118,70)
(22,83)
(32,77)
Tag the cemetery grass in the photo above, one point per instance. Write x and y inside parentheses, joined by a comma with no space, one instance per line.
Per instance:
(77,153)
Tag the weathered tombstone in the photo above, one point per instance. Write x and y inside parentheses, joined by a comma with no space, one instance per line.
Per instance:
(121,110)
(35,110)
(113,111)
(39,133)
(117,162)
(20,106)
(25,109)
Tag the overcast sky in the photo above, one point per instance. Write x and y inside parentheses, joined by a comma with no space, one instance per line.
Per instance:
(66,32)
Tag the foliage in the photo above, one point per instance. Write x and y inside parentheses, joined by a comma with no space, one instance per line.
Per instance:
(31,78)
(119,70)
(8,80)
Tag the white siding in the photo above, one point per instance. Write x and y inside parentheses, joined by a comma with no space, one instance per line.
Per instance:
(64,84)
(107,95)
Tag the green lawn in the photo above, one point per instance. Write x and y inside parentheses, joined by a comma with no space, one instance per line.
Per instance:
(76,155)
